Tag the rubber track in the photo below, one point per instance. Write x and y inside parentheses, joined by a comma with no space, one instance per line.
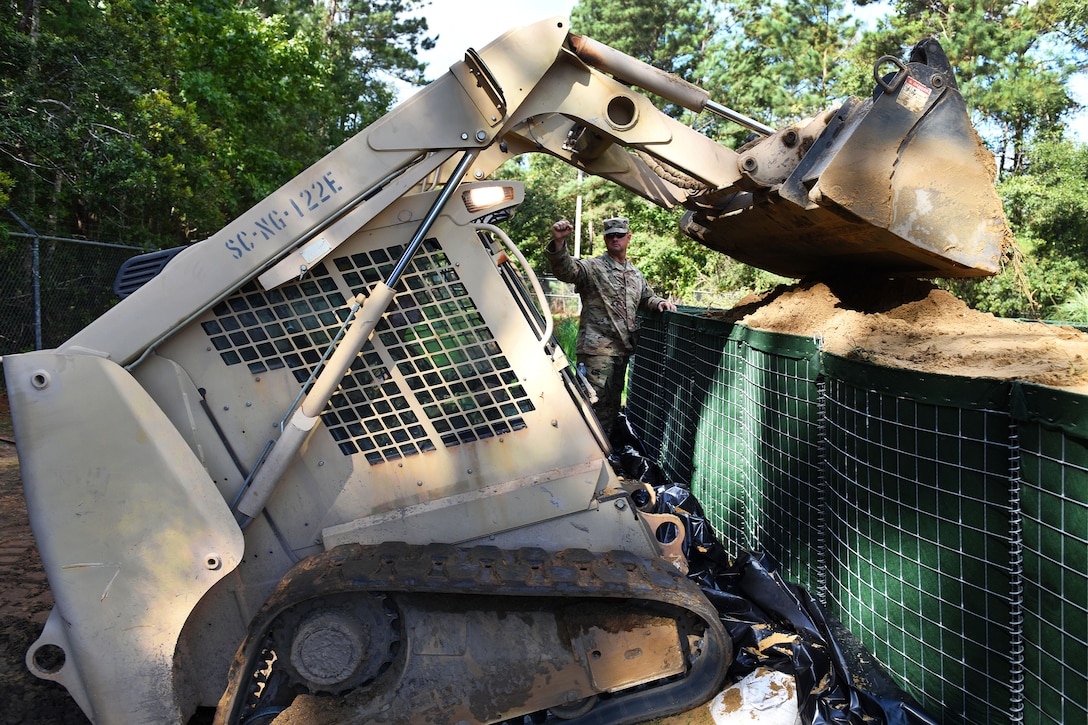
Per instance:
(527,572)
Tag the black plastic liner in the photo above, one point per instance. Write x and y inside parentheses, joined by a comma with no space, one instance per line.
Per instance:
(838,681)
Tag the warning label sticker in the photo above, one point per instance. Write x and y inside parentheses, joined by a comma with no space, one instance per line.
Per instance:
(913,95)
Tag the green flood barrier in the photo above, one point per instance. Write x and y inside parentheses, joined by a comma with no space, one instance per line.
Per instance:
(942,519)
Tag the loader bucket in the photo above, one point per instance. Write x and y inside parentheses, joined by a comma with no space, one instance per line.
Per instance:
(899,184)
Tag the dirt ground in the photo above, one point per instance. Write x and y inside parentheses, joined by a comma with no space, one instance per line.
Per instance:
(904,324)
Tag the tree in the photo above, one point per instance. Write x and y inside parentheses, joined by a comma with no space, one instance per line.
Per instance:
(670,34)
(783,61)
(544,203)
(1072,18)
(370,42)
(154,123)
(1048,202)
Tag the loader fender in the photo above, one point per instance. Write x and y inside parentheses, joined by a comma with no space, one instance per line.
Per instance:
(132,532)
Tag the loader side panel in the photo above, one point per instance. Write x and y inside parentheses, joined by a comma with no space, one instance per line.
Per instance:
(454,392)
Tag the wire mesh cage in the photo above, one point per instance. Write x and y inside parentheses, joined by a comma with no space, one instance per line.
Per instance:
(943,520)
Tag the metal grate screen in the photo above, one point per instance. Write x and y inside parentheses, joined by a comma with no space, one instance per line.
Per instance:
(432,374)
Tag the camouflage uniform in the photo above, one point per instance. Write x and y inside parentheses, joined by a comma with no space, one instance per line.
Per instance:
(612,293)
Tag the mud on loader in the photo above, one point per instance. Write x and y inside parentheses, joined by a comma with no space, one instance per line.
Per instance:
(329,465)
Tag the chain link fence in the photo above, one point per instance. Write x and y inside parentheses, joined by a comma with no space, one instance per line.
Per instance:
(52,287)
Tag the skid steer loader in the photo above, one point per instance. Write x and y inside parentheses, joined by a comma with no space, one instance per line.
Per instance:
(329,465)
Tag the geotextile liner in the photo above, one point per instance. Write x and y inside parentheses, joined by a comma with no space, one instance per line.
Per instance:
(942,519)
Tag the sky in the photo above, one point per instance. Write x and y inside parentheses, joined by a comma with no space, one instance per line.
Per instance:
(463,24)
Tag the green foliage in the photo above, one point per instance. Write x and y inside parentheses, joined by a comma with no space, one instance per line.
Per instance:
(1048,202)
(566,334)
(674,264)
(6,182)
(155,123)
(782,61)
(669,34)
(1031,288)
(726,282)
(544,203)
(1075,307)
(1072,18)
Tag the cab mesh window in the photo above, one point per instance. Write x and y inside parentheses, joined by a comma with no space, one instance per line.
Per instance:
(432,374)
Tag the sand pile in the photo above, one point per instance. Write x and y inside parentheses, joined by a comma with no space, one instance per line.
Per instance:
(912,324)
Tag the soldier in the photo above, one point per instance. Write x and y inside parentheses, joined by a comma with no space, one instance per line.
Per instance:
(612,292)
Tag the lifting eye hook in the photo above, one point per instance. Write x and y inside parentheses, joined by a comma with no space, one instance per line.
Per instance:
(896,80)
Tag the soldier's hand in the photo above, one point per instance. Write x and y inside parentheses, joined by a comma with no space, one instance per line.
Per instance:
(560,231)
(664,305)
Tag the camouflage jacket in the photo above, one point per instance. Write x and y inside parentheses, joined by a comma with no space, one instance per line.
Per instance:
(612,293)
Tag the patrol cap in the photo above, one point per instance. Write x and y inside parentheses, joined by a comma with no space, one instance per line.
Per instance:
(616,225)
